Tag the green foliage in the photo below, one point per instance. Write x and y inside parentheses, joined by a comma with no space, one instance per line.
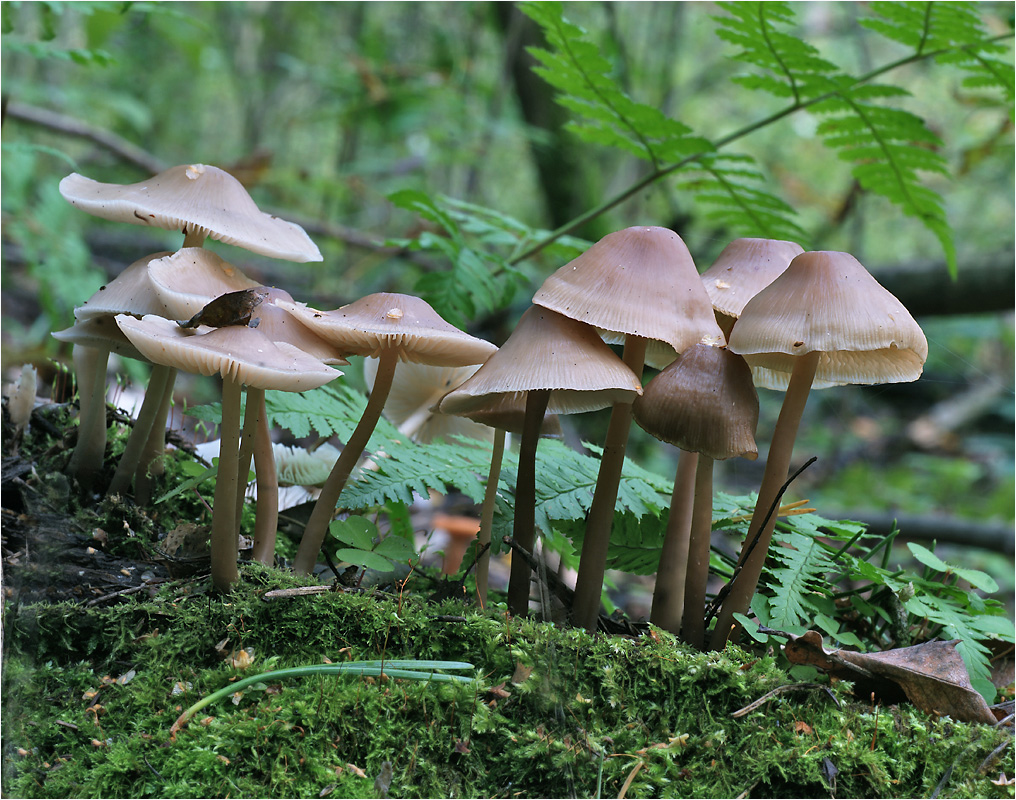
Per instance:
(365,548)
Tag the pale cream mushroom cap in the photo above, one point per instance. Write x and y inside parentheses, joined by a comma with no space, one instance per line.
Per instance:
(101,332)
(236,353)
(389,321)
(743,269)
(828,302)
(192,277)
(193,199)
(547,351)
(638,281)
(130,292)
(704,402)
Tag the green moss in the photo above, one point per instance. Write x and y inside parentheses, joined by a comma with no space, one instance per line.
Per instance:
(646,715)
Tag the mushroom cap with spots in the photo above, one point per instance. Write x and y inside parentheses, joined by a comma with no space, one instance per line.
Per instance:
(638,281)
(704,402)
(194,199)
(547,351)
(743,269)
(236,353)
(386,322)
(828,302)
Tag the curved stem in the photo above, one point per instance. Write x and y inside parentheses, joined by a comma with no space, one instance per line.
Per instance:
(131,457)
(524,529)
(693,621)
(777,468)
(267,520)
(90,370)
(321,516)
(593,561)
(224,523)
(155,446)
(487,515)
(668,595)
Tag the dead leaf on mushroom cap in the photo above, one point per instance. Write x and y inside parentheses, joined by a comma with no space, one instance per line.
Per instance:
(932,675)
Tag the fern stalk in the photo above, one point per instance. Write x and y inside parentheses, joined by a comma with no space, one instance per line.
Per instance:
(593,561)
(668,594)
(321,516)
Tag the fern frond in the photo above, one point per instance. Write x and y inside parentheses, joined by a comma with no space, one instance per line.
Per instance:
(805,562)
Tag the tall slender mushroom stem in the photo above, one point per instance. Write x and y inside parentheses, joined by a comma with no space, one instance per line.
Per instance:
(131,457)
(90,369)
(524,528)
(487,515)
(668,595)
(777,468)
(248,434)
(267,518)
(693,620)
(155,445)
(224,549)
(592,562)
(317,525)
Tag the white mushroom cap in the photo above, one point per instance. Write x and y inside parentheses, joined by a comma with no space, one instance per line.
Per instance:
(547,351)
(130,292)
(192,277)
(828,302)
(389,321)
(235,352)
(194,199)
(638,281)
(100,332)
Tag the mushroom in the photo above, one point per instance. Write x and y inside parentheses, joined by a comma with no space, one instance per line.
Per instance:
(705,404)
(742,270)
(638,286)
(824,322)
(549,363)
(390,327)
(243,356)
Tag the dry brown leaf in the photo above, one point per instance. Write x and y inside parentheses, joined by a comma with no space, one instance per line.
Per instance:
(931,675)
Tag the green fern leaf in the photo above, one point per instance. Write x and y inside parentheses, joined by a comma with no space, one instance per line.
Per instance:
(805,563)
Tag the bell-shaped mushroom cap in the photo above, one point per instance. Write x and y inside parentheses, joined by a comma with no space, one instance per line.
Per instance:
(389,321)
(507,412)
(547,351)
(192,277)
(743,269)
(194,198)
(638,281)
(100,332)
(236,353)
(827,302)
(704,402)
(130,292)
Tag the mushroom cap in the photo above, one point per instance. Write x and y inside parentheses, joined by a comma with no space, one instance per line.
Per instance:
(508,413)
(638,281)
(743,269)
(547,351)
(194,198)
(192,277)
(100,332)
(388,321)
(704,402)
(130,292)
(236,353)
(828,302)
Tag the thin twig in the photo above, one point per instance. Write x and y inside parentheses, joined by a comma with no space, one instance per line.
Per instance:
(795,687)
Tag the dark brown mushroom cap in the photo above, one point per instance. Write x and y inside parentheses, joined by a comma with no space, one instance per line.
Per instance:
(704,402)
(389,321)
(130,292)
(547,351)
(743,269)
(638,281)
(828,302)
(236,353)
(194,199)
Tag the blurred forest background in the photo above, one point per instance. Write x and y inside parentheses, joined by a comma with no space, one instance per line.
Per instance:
(325,109)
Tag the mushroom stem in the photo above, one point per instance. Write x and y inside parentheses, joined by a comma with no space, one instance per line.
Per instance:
(247,437)
(487,515)
(777,468)
(524,529)
(693,621)
(267,518)
(155,446)
(320,517)
(194,237)
(593,561)
(131,457)
(668,595)
(224,523)
(90,369)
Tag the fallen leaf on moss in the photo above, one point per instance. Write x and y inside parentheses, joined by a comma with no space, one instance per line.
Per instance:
(932,675)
